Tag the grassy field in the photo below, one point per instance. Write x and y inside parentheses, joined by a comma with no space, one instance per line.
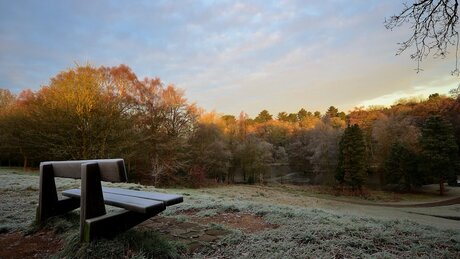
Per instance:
(238,221)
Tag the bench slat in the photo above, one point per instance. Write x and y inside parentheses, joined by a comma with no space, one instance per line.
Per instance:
(168,199)
(111,170)
(127,202)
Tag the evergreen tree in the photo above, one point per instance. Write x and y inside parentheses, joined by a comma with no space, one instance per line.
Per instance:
(282,116)
(439,151)
(292,117)
(332,112)
(317,114)
(302,114)
(263,116)
(352,158)
(401,168)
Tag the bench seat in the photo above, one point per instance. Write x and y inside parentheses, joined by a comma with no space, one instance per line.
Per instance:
(131,203)
(168,199)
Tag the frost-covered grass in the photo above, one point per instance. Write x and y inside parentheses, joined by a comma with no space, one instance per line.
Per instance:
(315,233)
(304,230)
(312,233)
(19,197)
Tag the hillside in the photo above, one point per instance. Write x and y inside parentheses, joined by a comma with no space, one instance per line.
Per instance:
(237,221)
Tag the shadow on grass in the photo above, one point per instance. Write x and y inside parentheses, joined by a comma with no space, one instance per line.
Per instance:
(133,243)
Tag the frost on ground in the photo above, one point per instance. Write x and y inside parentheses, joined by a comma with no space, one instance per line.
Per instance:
(299,226)
(310,232)
(19,198)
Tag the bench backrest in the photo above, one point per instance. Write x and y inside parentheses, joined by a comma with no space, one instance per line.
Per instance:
(111,170)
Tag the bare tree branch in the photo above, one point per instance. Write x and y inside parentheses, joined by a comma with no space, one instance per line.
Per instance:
(434,25)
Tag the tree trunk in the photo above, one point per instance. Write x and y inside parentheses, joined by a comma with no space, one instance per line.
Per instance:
(441,186)
(25,163)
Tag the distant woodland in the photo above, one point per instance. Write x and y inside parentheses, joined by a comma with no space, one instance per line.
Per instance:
(108,112)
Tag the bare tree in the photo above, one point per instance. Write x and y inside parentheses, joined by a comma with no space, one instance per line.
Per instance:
(455,93)
(433,23)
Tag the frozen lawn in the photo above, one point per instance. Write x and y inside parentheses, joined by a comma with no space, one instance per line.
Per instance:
(285,196)
(262,222)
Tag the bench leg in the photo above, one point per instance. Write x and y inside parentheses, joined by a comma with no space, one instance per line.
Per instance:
(92,199)
(48,204)
(111,224)
(94,221)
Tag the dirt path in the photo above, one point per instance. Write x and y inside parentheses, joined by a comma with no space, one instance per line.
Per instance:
(439,214)
(447,202)
(39,245)
(199,231)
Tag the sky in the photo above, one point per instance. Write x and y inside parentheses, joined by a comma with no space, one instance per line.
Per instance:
(228,56)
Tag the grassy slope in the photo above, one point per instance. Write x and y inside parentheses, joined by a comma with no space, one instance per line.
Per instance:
(304,230)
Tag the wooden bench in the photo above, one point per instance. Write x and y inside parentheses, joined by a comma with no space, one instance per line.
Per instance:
(137,206)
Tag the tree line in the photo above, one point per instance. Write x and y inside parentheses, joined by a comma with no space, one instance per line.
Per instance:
(105,112)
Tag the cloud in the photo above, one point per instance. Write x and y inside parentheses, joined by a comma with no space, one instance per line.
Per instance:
(227,55)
